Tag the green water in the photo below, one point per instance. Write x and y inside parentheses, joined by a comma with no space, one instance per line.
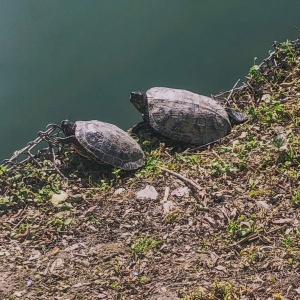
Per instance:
(80,59)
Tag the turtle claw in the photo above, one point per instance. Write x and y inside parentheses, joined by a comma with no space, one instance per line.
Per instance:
(53,126)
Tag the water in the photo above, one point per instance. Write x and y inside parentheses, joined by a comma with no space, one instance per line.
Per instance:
(81,59)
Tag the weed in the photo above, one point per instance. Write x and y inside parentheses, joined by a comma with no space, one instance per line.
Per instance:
(94,220)
(219,167)
(104,185)
(60,220)
(172,217)
(5,203)
(196,294)
(289,51)
(295,201)
(240,228)
(3,169)
(278,296)
(220,291)
(143,245)
(255,73)
(287,242)
(117,265)
(226,291)
(280,142)
(114,285)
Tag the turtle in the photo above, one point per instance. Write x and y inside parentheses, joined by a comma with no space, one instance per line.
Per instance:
(103,142)
(183,116)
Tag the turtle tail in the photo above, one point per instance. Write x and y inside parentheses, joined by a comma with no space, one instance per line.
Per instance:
(236,117)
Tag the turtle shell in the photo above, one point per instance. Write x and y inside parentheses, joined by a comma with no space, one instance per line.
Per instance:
(185,116)
(108,143)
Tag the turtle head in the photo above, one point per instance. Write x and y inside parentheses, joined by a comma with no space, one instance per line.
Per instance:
(139,100)
(68,127)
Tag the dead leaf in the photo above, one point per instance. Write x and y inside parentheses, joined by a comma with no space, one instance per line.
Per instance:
(21,235)
(58,198)
(283,221)
(58,264)
(220,268)
(54,251)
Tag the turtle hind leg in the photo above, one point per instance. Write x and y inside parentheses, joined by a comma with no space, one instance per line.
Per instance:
(236,117)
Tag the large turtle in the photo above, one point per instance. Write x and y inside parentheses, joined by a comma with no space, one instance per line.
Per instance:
(184,116)
(103,142)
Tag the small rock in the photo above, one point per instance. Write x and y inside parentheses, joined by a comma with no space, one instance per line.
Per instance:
(263,204)
(243,134)
(180,192)
(19,293)
(29,282)
(148,192)
(71,248)
(168,206)
(85,262)
(119,191)
(265,97)
(220,268)
(35,255)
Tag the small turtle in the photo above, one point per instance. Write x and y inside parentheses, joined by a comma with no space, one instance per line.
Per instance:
(103,142)
(184,116)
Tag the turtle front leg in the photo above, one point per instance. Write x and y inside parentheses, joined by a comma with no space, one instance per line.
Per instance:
(67,140)
(139,126)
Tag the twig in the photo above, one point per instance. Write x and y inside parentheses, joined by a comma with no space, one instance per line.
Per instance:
(255,236)
(189,181)
(250,237)
(231,91)
(289,83)
(166,195)
(19,221)
(54,163)
(217,155)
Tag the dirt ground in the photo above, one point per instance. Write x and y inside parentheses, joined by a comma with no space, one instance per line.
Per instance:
(224,223)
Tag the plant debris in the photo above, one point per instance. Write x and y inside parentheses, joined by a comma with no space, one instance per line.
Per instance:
(224,223)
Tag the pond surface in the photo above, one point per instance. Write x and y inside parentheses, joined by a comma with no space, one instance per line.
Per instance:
(81,59)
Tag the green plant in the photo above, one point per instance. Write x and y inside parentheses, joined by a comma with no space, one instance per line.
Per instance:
(3,169)
(287,242)
(274,112)
(114,285)
(295,201)
(225,291)
(5,203)
(94,220)
(289,51)
(60,220)
(255,73)
(240,227)
(143,245)
(104,185)
(219,167)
